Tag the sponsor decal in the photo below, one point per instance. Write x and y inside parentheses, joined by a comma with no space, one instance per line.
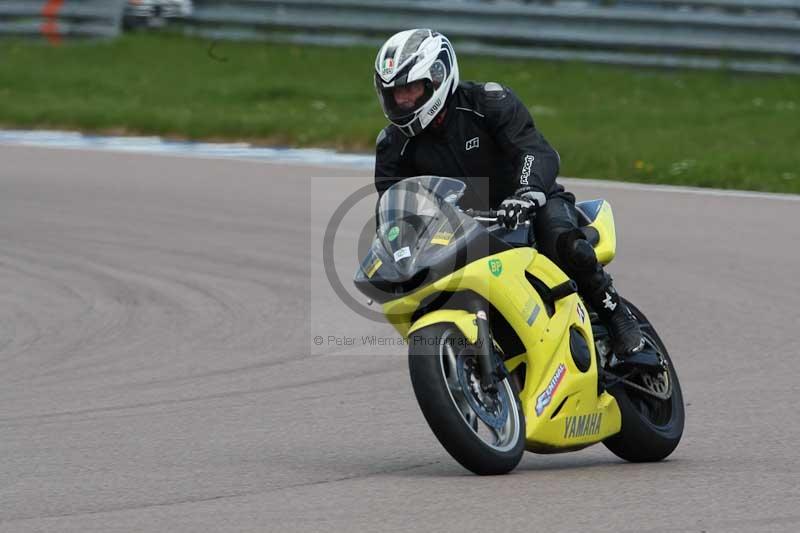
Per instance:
(373,267)
(402,253)
(435,107)
(582,426)
(388,65)
(393,232)
(534,314)
(543,400)
(526,169)
(442,238)
(473,143)
(608,303)
(495,267)
(581,314)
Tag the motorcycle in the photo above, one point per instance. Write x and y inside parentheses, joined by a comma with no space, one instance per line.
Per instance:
(503,353)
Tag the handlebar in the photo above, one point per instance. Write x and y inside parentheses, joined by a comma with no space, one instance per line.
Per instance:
(491,213)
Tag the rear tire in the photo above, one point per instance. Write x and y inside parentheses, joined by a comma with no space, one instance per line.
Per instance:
(651,427)
(434,373)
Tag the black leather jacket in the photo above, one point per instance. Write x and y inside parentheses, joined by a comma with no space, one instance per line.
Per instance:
(487,132)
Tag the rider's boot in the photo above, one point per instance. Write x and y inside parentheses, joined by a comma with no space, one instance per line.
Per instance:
(625,333)
(596,287)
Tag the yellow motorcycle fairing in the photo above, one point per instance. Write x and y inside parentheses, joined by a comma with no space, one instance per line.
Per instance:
(562,408)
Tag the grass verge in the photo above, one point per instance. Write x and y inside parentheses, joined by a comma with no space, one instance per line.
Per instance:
(710,129)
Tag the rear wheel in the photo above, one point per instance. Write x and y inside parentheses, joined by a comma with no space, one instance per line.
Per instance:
(483,431)
(651,404)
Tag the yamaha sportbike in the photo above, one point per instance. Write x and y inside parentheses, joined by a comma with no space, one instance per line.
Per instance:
(503,353)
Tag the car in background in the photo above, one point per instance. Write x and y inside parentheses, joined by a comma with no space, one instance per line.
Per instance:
(154,13)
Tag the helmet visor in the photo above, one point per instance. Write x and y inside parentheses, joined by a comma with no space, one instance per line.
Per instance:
(401,104)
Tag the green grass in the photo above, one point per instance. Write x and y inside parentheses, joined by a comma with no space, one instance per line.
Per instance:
(712,129)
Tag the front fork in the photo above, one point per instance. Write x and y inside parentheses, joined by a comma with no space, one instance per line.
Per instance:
(491,372)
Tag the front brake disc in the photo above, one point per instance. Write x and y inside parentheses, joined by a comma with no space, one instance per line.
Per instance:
(491,407)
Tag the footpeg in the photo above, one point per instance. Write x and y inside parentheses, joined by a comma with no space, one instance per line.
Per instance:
(646,357)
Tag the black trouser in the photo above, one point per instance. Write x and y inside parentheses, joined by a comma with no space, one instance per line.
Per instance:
(556,231)
(557,217)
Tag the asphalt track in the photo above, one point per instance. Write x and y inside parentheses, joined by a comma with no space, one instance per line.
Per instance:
(159,374)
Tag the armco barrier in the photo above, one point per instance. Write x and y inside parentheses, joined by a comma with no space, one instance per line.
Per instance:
(742,35)
(57,19)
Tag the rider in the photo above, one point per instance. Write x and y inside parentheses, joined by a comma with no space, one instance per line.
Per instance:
(445,128)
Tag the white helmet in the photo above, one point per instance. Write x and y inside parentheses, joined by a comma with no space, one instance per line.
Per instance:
(411,56)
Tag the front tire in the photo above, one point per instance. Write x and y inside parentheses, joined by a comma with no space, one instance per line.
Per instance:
(484,433)
(651,427)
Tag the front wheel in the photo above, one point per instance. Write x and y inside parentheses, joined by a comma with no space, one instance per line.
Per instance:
(483,431)
(651,404)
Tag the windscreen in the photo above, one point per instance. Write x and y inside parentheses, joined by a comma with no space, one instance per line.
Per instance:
(412,209)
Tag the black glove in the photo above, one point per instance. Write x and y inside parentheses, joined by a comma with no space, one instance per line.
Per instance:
(517,208)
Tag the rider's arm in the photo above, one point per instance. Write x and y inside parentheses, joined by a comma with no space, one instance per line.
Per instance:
(390,166)
(536,163)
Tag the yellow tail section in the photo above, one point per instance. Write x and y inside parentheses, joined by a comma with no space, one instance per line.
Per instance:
(601,218)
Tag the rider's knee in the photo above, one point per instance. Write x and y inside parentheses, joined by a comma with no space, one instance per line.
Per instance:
(575,253)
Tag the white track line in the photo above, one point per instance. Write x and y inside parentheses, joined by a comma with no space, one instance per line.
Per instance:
(302,156)
(675,189)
